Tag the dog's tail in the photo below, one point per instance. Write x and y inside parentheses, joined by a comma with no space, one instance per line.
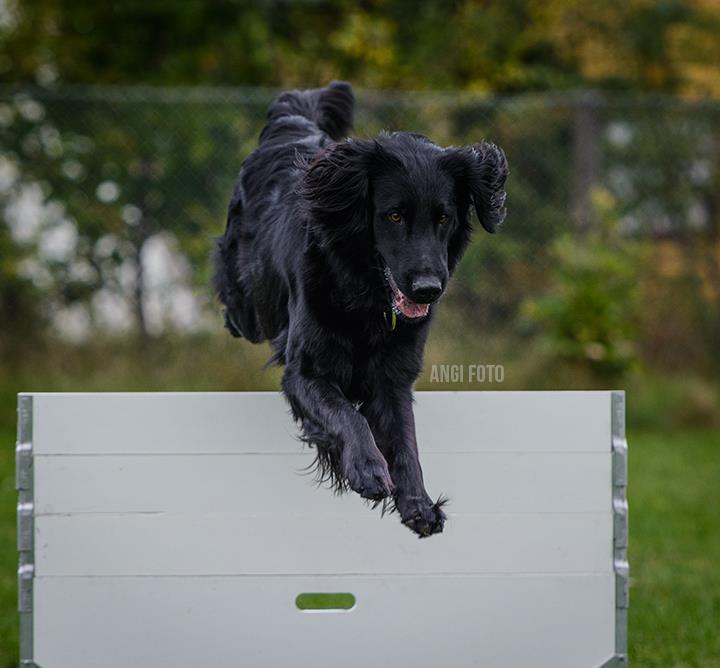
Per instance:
(330,108)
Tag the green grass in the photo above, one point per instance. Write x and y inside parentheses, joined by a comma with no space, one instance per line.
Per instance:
(325,601)
(8,554)
(674,551)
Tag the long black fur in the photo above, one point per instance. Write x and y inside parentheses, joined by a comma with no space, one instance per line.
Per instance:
(324,236)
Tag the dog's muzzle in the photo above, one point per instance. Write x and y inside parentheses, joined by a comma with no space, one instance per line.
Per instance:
(402,304)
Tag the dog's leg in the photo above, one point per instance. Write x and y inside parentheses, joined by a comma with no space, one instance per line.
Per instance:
(337,425)
(390,416)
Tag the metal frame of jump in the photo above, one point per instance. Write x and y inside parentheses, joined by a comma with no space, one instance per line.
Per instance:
(46,434)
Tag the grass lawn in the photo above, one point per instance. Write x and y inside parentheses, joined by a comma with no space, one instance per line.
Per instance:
(674,492)
(674,552)
(8,554)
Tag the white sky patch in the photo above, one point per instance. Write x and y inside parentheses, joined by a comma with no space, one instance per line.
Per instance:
(27,213)
(7,114)
(73,323)
(621,183)
(50,138)
(73,170)
(169,301)
(184,309)
(8,14)
(112,311)
(108,192)
(46,74)
(700,172)
(131,214)
(31,110)
(697,215)
(57,243)
(8,174)
(33,270)
(619,134)
(126,275)
(106,245)
(81,271)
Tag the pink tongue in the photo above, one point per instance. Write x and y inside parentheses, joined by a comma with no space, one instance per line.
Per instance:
(411,309)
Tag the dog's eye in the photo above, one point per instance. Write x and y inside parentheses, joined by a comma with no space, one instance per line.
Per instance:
(395,217)
(443,219)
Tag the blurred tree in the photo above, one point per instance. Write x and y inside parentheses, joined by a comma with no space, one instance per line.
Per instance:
(493,45)
(23,308)
(665,45)
(115,184)
(21,305)
(120,167)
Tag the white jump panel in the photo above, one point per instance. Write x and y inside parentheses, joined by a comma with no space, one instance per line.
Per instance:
(438,621)
(491,481)
(177,530)
(258,422)
(305,543)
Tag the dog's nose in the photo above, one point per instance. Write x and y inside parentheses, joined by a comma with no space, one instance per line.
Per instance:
(426,289)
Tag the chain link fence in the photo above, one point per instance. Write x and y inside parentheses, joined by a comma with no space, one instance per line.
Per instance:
(610,253)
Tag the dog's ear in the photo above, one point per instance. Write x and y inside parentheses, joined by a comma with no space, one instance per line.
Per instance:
(336,186)
(480,172)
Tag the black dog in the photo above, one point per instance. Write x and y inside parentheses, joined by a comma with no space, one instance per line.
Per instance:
(335,250)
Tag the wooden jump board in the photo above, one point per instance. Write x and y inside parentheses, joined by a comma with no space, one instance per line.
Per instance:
(177,529)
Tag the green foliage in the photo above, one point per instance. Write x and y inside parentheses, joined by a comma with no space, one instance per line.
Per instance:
(116,173)
(121,166)
(589,313)
(22,311)
(495,45)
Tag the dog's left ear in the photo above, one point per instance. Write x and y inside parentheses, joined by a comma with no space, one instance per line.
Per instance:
(480,172)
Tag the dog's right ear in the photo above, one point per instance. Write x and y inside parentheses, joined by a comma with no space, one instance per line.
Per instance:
(336,187)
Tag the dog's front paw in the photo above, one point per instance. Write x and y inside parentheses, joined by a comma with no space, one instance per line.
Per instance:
(421,515)
(368,475)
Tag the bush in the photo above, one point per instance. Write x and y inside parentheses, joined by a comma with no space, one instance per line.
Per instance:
(589,314)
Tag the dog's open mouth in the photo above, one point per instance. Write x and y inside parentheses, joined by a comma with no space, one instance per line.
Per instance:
(401,304)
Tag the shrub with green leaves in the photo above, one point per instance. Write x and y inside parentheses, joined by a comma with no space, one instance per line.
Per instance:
(588,315)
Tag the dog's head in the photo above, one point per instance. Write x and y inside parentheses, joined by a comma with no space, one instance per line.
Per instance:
(411,201)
